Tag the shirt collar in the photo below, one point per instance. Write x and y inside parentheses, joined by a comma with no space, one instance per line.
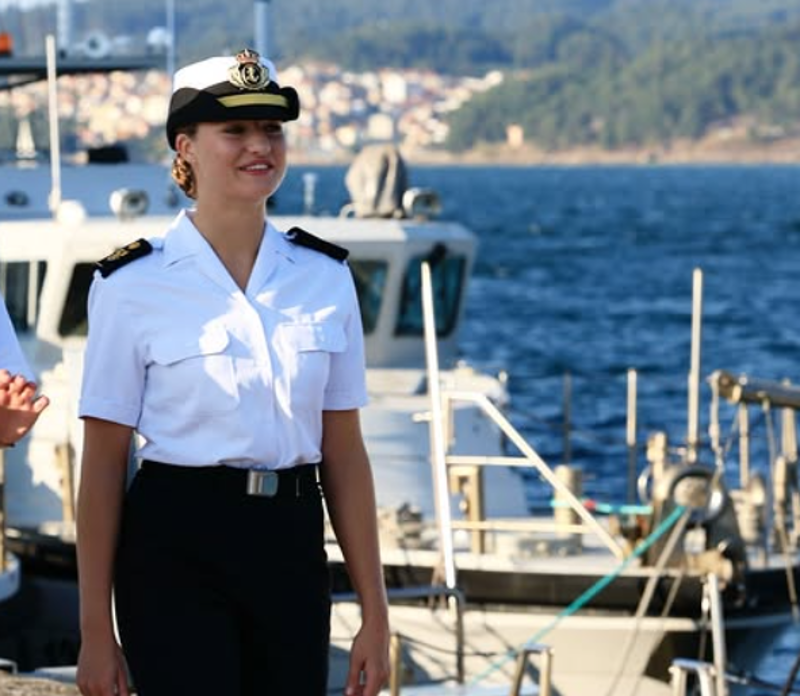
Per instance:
(182,239)
(281,244)
(265,259)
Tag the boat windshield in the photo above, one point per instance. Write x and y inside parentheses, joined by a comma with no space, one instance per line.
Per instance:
(370,278)
(74,321)
(370,281)
(21,284)
(448,279)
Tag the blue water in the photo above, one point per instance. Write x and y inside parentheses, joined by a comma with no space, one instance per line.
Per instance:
(588,271)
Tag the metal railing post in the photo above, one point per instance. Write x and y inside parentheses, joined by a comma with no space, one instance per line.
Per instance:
(630,434)
(706,677)
(468,481)
(546,653)
(437,436)
(396,660)
(744,446)
(717,632)
(567,427)
(693,409)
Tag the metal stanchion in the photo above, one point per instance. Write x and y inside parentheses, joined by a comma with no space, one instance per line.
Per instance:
(630,435)
(706,677)
(546,653)
(396,660)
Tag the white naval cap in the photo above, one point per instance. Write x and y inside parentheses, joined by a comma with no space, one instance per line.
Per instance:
(225,88)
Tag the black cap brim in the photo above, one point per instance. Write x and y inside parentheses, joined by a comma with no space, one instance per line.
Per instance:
(223,102)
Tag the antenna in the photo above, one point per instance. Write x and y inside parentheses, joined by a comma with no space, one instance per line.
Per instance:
(55,137)
(262,30)
(26,147)
(64,26)
(170,38)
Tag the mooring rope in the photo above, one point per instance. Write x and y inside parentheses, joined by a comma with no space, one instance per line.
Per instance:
(589,594)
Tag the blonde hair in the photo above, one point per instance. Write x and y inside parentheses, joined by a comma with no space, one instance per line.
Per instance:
(182,172)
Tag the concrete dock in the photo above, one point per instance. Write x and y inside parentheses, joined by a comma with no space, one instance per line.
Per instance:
(27,686)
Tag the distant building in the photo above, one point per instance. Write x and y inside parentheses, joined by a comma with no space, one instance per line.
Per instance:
(380,127)
(395,87)
(515,136)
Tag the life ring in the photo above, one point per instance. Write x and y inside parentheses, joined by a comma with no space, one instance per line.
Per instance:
(17,199)
(127,204)
(699,490)
(644,485)
(96,45)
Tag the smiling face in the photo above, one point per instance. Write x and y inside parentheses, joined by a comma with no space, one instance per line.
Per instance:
(236,160)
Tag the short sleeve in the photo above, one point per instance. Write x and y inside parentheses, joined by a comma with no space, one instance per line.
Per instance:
(113,369)
(11,357)
(347,383)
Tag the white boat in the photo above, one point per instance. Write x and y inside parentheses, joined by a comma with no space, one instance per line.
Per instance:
(14,71)
(699,572)
(10,576)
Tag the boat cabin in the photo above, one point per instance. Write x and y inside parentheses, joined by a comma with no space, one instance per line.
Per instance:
(46,268)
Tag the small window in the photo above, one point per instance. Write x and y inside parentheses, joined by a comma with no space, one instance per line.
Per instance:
(21,283)
(447,279)
(370,280)
(74,320)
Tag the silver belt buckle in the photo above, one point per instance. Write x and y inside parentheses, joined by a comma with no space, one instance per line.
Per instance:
(263,483)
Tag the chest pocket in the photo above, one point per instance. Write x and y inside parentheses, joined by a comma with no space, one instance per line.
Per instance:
(193,374)
(307,349)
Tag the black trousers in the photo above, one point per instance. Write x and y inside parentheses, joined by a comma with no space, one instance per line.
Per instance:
(218,593)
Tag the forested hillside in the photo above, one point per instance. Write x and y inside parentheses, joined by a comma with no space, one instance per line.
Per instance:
(605,72)
(678,89)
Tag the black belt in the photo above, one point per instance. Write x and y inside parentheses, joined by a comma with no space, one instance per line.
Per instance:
(268,483)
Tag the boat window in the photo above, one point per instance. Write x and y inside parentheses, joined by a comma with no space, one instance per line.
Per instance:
(447,278)
(73,319)
(370,281)
(21,284)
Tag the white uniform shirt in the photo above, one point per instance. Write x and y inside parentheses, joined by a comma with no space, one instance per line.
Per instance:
(11,357)
(208,374)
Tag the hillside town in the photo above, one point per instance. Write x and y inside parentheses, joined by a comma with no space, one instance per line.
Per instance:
(340,110)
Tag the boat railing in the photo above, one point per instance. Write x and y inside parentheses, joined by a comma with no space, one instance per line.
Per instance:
(441,405)
(769,510)
(744,391)
(468,467)
(544,652)
(782,499)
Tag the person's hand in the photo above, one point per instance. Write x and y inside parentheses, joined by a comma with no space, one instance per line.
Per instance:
(369,657)
(101,669)
(19,407)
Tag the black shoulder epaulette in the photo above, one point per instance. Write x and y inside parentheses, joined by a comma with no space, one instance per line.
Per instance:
(310,241)
(119,257)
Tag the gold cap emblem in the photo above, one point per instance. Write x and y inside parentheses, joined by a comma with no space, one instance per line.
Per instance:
(248,73)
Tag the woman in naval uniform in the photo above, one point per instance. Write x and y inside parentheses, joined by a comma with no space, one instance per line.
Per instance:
(235,353)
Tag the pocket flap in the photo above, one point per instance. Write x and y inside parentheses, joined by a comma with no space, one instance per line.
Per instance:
(328,337)
(172,348)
